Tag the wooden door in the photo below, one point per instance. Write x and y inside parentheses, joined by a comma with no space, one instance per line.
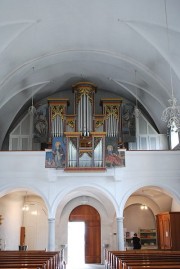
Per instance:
(91,217)
(160,232)
(22,236)
(164,231)
(167,232)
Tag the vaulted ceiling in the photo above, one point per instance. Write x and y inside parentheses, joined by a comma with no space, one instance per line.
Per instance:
(123,46)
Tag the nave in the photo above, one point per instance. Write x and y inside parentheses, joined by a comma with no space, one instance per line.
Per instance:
(85,266)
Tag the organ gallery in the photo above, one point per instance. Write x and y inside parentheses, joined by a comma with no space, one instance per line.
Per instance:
(85,140)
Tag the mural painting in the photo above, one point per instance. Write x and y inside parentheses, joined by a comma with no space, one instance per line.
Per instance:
(114,157)
(56,157)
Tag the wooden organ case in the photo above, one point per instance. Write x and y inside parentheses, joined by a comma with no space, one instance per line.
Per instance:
(84,131)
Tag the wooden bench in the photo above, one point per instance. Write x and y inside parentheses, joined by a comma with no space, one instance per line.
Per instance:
(30,259)
(20,268)
(156,267)
(129,265)
(143,259)
(146,259)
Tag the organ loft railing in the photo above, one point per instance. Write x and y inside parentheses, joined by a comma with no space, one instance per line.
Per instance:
(81,140)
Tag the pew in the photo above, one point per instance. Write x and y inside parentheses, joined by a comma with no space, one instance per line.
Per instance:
(30,260)
(138,259)
(156,267)
(135,265)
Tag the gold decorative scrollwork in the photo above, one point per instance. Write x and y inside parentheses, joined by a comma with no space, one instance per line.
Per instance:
(99,123)
(112,110)
(71,123)
(57,110)
(85,90)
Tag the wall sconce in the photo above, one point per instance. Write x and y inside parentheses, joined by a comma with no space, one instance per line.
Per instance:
(1,218)
(25,208)
(143,207)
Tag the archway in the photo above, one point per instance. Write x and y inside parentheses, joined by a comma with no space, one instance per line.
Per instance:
(140,213)
(92,221)
(23,226)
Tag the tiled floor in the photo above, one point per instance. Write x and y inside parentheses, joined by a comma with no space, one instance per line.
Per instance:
(85,266)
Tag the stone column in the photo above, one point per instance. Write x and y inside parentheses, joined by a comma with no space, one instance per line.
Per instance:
(120,234)
(51,234)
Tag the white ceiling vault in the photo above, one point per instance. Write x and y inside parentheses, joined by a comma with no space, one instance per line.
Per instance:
(47,46)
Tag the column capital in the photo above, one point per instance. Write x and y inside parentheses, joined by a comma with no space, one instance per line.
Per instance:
(51,219)
(120,219)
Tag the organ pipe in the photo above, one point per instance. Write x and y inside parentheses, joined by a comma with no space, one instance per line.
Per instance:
(112,120)
(57,126)
(84,115)
(85,146)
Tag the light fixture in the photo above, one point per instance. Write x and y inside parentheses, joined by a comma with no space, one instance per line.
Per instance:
(143,207)
(137,111)
(25,206)
(171,114)
(32,109)
(34,212)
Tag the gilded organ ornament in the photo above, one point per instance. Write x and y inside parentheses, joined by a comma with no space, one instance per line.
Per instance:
(83,135)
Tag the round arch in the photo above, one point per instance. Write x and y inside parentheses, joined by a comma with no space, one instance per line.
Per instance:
(85,195)
(137,199)
(94,191)
(23,187)
(168,189)
(21,224)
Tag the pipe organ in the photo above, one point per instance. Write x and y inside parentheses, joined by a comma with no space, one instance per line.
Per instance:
(84,107)
(84,132)
(111,111)
(57,113)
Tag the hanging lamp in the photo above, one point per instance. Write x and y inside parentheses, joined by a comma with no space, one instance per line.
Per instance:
(137,111)
(171,114)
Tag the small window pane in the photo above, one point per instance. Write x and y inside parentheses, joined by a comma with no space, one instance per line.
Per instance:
(25,143)
(152,143)
(142,126)
(143,141)
(174,139)
(151,130)
(16,131)
(15,143)
(25,126)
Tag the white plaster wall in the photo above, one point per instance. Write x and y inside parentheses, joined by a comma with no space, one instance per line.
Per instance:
(135,219)
(175,205)
(36,225)
(111,188)
(11,213)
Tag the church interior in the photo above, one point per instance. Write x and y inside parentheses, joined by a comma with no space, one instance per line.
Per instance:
(89,125)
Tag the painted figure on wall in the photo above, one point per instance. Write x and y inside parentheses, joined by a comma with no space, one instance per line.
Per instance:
(49,162)
(58,150)
(41,124)
(128,123)
(114,157)
(56,157)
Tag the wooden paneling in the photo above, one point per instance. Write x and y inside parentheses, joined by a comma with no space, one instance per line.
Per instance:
(168,224)
(22,236)
(91,217)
